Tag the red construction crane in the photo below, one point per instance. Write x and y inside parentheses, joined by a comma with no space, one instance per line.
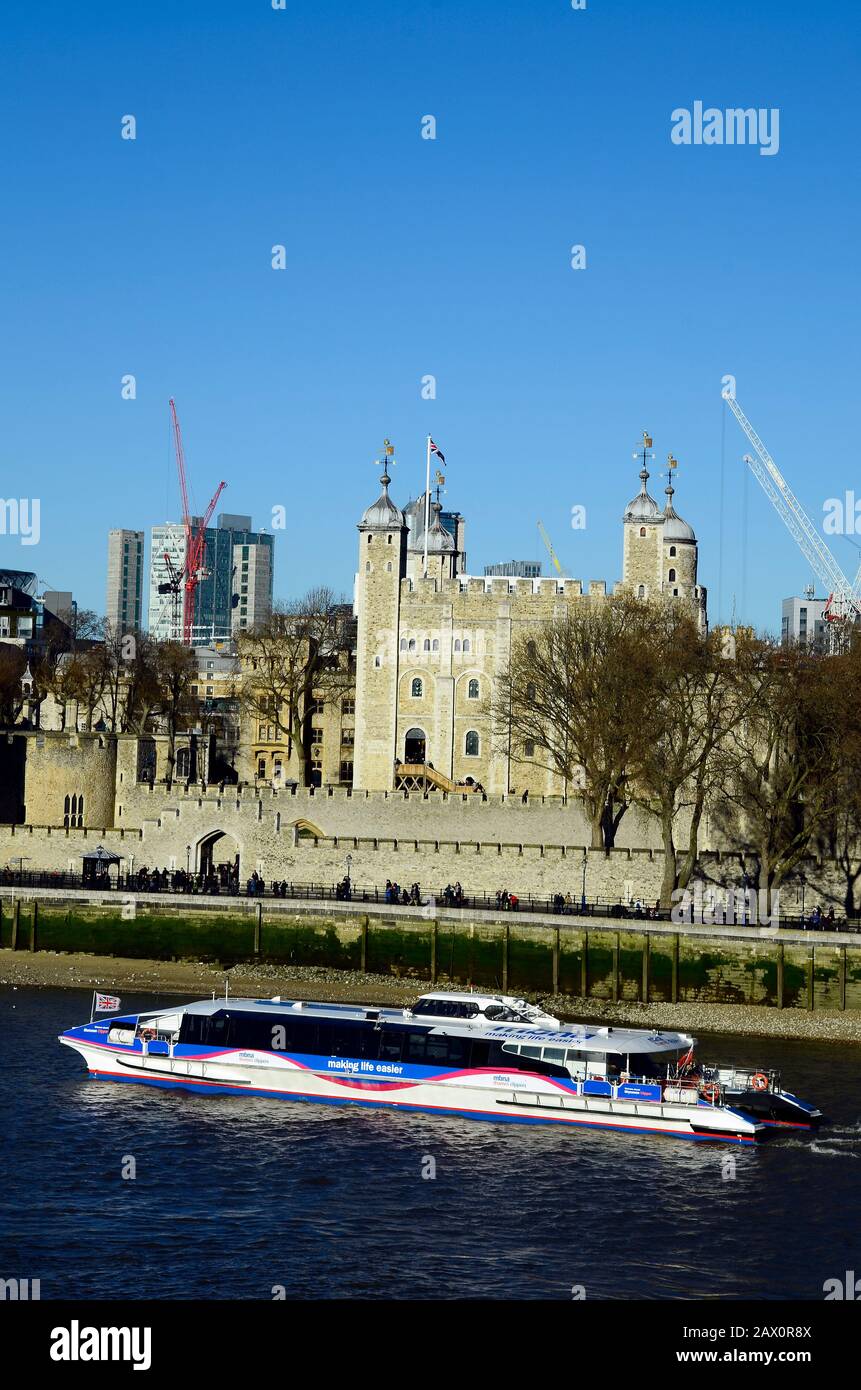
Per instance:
(195,541)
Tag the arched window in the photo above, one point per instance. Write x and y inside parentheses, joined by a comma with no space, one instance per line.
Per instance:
(389,567)
(417,688)
(427,644)
(370,538)
(530,691)
(641,592)
(457,644)
(672,576)
(529,748)
(403,644)
(411,645)
(436,644)
(182,762)
(388,540)
(66,812)
(642,530)
(672,550)
(473,744)
(367,567)
(466,644)
(530,649)
(473,690)
(378,661)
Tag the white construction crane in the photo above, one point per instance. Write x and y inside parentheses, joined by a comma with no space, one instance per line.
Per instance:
(844,600)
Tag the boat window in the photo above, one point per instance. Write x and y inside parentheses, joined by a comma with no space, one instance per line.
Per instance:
(391,1042)
(479,1053)
(554,1054)
(530,1051)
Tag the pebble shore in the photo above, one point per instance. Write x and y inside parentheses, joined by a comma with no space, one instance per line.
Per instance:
(197,979)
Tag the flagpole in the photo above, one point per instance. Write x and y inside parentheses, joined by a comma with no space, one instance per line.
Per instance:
(427,509)
(93,1007)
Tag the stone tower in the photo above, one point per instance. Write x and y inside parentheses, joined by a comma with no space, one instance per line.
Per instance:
(382,566)
(642,566)
(679,558)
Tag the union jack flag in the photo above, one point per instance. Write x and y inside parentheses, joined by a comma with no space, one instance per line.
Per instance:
(439,453)
(107,1003)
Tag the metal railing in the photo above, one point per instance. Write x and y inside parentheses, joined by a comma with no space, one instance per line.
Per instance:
(195,885)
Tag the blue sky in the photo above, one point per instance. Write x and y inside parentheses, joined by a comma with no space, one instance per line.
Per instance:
(408,257)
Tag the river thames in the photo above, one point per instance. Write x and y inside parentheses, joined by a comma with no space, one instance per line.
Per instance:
(252,1199)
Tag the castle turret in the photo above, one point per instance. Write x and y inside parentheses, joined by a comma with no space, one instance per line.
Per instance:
(641,565)
(382,566)
(679,558)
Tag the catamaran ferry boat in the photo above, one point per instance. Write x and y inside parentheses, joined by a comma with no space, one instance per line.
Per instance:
(487,1057)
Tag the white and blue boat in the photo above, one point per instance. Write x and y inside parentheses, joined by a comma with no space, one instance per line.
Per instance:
(485,1056)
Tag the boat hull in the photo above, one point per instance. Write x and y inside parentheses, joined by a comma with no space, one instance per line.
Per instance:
(479,1095)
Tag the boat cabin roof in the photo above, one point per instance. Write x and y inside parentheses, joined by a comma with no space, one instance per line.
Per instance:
(579,1036)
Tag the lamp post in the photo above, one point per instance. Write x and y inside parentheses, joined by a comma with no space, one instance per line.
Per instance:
(187,858)
(583,891)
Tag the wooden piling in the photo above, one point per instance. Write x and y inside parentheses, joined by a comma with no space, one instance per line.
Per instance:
(674,981)
(363,956)
(811,964)
(647,965)
(434,945)
(584,967)
(616,949)
(258,929)
(34,925)
(16,916)
(841,978)
(556,961)
(506,943)
(780,975)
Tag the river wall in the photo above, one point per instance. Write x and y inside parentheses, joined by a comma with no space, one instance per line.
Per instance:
(546,955)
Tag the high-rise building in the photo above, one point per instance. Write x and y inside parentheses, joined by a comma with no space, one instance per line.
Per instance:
(515,569)
(124,605)
(235,589)
(804,621)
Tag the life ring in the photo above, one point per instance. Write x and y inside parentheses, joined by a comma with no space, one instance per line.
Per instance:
(148,1034)
(711,1091)
(759,1082)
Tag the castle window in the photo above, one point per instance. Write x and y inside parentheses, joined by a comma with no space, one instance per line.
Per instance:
(436,644)
(530,649)
(641,592)
(427,644)
(182,762)
(417,688)
(466,644)
(412,645)
(378,661)
(675,593)
(370,538)
(473,744)
(529,748)
(261,767)
(473,690)
(671,576)
(642,530)
(388,540)
(389,567)
(368,567)
(530,692)
(672,550)
(403,644)
(457,644)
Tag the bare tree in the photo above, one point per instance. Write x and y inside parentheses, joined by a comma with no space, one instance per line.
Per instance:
(576,690)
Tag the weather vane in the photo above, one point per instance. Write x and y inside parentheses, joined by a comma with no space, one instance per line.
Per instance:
(644,451)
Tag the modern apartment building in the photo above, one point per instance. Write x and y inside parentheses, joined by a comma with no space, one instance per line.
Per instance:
(124,603)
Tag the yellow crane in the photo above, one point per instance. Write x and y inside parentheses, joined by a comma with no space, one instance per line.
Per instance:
(552,553)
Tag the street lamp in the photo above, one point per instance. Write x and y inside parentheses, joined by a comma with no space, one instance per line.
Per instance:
(187,858)
(583,891)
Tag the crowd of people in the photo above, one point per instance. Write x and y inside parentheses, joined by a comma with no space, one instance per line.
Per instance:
(399,896)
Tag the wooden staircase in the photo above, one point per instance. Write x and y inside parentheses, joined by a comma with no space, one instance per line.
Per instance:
(421,777)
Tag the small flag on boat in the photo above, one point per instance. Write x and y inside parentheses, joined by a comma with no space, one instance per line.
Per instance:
(107,1003)
(439,453)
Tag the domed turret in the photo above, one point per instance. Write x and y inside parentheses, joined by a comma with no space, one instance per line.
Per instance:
(675,529)
(440,541)
(643,507)
(383,514)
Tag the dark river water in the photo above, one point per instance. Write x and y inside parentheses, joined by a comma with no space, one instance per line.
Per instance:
(234,1197)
